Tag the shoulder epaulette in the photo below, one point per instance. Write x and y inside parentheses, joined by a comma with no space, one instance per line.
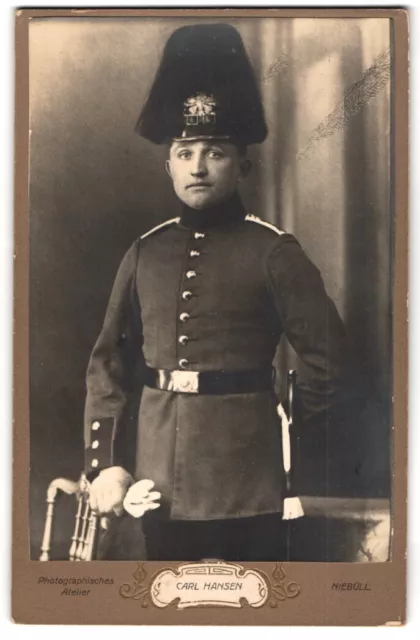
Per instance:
(251,218)
(160,226)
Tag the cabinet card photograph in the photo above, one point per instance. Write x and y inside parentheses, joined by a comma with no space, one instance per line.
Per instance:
(210,350)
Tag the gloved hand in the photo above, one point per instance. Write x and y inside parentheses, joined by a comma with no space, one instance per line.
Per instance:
(108,490)
(140,498)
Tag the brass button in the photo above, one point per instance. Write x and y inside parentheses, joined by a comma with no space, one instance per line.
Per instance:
(95,425)
(184,317)
(183,363)
(183,340)
(94,463)
(191,274)
(198,235)
(194,253)
(186,295)
(95,444)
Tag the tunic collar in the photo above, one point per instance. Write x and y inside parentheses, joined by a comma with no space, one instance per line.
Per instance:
(224,213)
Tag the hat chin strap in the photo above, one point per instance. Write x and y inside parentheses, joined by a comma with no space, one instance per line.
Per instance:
(190,138)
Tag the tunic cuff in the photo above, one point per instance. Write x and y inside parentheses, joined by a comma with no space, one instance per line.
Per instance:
(99,454)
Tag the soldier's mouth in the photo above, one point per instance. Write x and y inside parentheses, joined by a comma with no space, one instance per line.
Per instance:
(198,185)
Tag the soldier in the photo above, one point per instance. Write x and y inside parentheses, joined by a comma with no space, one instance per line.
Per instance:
(197,310)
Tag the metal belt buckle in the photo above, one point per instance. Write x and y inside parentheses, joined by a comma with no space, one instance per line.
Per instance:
(185,381)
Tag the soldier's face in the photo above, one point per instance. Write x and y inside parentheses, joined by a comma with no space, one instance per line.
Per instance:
(205,172)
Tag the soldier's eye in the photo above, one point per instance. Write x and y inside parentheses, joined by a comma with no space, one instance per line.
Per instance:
(214,153)
(184,154)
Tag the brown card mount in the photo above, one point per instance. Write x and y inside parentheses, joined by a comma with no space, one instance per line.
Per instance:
(236,507)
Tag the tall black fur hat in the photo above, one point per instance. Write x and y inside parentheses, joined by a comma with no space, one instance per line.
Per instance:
(204,88)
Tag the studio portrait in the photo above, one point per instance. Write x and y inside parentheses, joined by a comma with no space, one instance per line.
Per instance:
(211,278)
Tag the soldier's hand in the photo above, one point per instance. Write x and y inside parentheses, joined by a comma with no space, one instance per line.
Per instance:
(107,491)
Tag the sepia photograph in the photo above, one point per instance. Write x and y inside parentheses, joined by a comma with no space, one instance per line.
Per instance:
(211,288)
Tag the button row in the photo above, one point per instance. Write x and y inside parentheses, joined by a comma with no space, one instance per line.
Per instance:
(95,444)
(187,295)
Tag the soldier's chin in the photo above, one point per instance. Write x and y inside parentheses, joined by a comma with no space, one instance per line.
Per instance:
(198,200)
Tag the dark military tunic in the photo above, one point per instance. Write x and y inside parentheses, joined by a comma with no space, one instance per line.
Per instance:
(211,291)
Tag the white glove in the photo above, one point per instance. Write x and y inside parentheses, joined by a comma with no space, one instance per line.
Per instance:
(140,498)
(108,490)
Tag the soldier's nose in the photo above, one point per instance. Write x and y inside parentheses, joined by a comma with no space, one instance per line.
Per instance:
(199,169)
(199,173)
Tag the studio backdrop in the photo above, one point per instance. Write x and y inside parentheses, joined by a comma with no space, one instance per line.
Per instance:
(323,174)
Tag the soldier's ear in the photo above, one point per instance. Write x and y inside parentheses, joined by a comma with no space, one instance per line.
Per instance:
(168,168)
(245,167)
